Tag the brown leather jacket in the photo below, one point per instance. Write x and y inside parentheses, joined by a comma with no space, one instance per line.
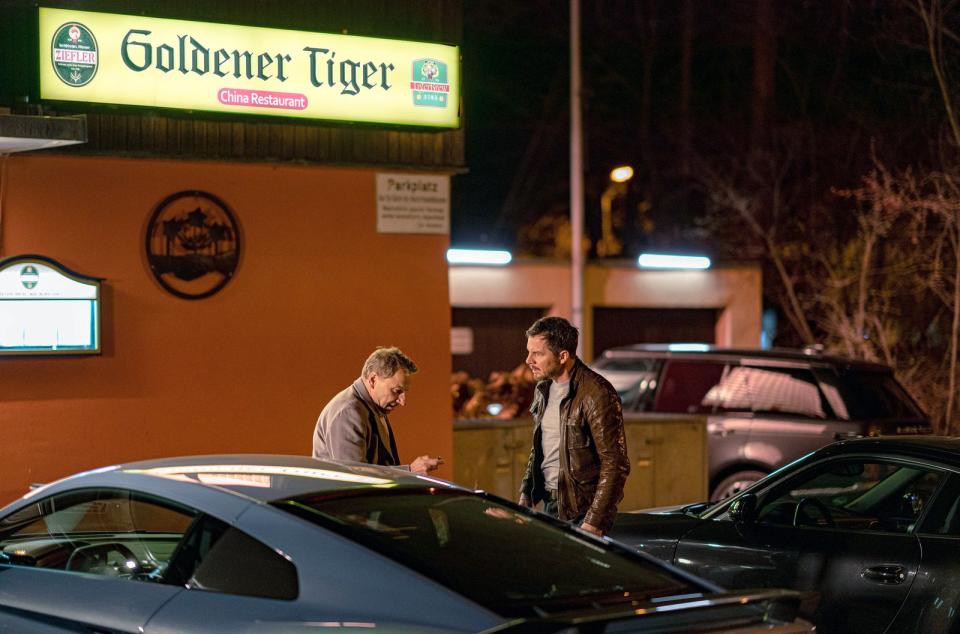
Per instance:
(593,450)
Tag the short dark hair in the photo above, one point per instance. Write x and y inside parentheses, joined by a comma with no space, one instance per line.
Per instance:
(559,334)
(386,362)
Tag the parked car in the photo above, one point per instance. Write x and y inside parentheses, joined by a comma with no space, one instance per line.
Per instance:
(764,408)
(872,524)
(288,544)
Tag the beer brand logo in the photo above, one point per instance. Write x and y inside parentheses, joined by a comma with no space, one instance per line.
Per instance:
(429,70)
(74,54)
(429,84)
(29,276)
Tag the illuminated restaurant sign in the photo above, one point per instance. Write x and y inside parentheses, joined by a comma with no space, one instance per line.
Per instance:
(46,308)
(134,60)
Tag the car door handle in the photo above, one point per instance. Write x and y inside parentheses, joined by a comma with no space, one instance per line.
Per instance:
(887,575)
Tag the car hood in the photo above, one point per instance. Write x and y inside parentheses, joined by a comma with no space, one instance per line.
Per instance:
(654,531)
(742,612)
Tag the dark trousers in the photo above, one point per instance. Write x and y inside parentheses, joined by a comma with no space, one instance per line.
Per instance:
(550,503)
(550,507)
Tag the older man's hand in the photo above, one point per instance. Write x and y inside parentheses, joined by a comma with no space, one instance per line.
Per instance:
(425,464)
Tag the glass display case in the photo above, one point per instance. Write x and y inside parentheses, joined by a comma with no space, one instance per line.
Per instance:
(45,308)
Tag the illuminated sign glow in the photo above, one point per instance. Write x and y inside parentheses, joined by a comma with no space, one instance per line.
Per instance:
(134,60)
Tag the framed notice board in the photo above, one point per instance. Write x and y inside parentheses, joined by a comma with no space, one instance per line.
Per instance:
(45,308)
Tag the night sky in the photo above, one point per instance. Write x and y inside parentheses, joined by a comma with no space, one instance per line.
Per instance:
(849,79)
(515,69)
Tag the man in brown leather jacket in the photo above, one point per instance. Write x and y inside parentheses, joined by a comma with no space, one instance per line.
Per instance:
(578,463)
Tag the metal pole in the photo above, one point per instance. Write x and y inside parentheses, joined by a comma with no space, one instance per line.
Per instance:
(576,176)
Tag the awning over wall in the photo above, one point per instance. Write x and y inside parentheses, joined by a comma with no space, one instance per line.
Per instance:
(23,133)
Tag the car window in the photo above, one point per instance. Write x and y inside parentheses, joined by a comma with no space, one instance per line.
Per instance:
(778,390)
(124,534)
(107,532)
(943,516)
(507,560)
(634,379)
(685,385)
(861,495)
(870,396)
(220,558)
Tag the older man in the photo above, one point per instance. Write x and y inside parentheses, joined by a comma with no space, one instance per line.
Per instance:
(578,463)
(354,425)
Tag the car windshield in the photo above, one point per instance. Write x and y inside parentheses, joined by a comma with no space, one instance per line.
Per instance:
(502,558)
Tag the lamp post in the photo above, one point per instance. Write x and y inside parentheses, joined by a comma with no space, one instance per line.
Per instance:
(576,176)
(609,245)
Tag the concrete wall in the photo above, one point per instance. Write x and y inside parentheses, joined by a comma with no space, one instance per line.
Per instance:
(736,291)
(246,370)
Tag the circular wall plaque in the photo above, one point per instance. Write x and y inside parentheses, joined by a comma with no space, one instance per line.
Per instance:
(193,244)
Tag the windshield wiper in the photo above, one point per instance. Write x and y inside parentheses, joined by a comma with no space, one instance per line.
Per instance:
(697,508)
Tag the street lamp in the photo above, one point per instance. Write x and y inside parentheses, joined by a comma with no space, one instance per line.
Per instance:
(609,244)
(621,174)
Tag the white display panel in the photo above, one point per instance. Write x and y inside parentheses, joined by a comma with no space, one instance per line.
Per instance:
(47,324)
(47,309)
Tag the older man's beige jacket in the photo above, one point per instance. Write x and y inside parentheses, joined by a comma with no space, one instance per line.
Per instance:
(353,427)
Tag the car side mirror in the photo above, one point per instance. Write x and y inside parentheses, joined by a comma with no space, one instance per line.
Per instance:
(744,509)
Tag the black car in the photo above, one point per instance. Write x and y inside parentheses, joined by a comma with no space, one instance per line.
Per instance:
(871,524)
(764,408)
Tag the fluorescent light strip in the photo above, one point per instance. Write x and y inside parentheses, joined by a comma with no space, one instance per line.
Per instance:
(279,470)
(478,256)
(688,347)
(662,261)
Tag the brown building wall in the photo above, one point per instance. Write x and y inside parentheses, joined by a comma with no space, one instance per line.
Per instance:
(246,370)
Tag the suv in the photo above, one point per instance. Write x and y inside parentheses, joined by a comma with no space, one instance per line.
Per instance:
(764,408)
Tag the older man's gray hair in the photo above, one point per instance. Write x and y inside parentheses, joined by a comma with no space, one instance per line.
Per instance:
(385,362)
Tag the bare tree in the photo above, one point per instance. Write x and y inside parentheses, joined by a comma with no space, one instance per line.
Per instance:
(751,199)
(943,199)
(911,228)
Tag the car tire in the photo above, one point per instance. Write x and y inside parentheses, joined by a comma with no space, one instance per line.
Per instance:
(734,483)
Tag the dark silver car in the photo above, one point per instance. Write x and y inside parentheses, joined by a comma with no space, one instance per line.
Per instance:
(764,408)
(289,544)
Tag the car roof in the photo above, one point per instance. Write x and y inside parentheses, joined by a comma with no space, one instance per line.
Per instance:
(268,477)
(698,350)
(942,448)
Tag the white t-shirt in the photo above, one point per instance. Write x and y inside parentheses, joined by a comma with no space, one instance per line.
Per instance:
(550,429)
